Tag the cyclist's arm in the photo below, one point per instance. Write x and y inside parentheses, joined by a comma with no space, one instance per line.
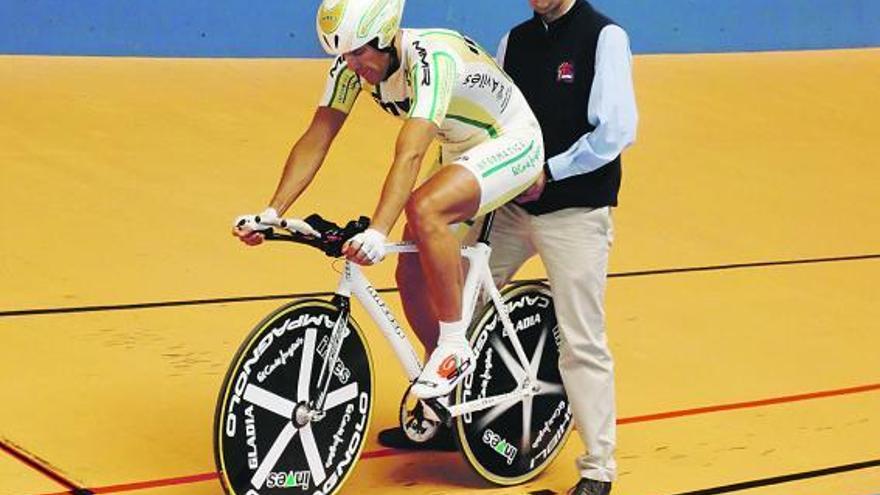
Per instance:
(432,77)
(307,156)
(413,141)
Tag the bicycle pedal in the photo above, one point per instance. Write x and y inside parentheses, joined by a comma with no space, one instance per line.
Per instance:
(435,410)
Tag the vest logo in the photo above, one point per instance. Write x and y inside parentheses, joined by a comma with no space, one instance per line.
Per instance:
(565,72)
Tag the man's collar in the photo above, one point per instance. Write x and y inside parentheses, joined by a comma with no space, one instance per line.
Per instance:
(564,18)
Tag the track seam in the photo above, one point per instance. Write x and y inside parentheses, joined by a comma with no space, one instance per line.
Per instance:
(241,299)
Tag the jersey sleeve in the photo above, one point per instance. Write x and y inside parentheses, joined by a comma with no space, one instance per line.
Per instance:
(342,88)
(432,75)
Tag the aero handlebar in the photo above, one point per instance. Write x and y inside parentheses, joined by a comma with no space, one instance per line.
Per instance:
(333,237)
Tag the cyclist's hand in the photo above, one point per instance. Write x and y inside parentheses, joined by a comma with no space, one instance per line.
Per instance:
(366,248)
(534,191)
(248,227)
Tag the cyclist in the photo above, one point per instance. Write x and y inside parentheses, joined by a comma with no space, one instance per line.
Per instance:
(444,87)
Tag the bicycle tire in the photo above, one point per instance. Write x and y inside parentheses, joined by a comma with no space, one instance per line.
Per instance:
(261,452)
(495,442)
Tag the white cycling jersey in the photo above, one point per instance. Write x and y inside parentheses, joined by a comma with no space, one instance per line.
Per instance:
(484,121)
(443,77)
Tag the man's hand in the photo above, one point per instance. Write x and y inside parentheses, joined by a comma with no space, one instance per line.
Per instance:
(247,227)
(366,248)
(534,191)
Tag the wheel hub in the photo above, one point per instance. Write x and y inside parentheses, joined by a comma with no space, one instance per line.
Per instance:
(303,414)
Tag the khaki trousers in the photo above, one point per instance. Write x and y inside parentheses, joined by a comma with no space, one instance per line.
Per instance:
(573,244)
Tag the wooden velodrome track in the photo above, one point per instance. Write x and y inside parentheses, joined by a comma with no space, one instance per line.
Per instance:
(743,305)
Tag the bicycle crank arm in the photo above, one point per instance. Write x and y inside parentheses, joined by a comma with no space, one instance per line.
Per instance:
(489,402)
(438,410)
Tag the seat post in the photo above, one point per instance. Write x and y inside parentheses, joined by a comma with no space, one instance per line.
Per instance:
(486,228)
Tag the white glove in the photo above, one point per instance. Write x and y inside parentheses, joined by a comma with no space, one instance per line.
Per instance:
(267,219)
(369,246)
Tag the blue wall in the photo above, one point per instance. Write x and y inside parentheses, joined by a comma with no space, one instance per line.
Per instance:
(285,28)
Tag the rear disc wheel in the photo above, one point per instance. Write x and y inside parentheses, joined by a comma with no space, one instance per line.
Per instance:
(513,442)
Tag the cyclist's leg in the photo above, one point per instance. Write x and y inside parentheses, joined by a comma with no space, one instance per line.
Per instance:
(414,296)
(480,180)
(417,306)
(416,432)
(450,196)
(512,245)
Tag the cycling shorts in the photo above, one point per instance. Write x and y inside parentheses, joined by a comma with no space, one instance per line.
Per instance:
(504,166)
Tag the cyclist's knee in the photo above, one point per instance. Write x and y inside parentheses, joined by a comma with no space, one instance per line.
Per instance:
(423,214)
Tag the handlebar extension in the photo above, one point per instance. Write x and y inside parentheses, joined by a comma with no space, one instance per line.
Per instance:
(333,237)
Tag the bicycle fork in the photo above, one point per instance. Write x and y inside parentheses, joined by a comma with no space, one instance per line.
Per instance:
(337,338)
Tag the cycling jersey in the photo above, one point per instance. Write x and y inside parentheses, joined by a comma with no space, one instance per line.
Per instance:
(484,122)
(443,77)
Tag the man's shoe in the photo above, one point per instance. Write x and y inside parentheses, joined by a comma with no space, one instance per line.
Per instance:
(591,487)
(395,438)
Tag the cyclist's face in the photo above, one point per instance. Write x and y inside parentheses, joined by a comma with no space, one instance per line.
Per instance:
(369,63)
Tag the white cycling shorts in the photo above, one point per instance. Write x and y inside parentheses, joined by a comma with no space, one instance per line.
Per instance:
(504,166)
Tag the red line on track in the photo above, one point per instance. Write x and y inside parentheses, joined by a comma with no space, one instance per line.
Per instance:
(373,454)
(143,485)
(183,480)
(36,465)
(747,405)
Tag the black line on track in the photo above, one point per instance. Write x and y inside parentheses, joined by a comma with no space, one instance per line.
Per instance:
(776,480)
(167,304)
(227,300)
(42,467)
(733,266)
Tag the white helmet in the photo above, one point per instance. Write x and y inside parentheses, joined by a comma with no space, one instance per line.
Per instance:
(346,25)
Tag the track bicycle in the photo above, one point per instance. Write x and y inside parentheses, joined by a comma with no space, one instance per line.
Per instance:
(295,405)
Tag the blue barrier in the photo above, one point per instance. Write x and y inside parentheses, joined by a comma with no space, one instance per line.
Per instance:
(285,28)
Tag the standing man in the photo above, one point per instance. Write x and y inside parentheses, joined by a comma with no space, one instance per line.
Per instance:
(574,66)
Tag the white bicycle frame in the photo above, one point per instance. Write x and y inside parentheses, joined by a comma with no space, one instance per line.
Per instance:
(354,283)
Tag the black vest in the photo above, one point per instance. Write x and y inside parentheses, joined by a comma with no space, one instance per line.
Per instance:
(554,68)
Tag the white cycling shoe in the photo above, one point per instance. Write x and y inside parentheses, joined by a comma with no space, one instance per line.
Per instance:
(449,364)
